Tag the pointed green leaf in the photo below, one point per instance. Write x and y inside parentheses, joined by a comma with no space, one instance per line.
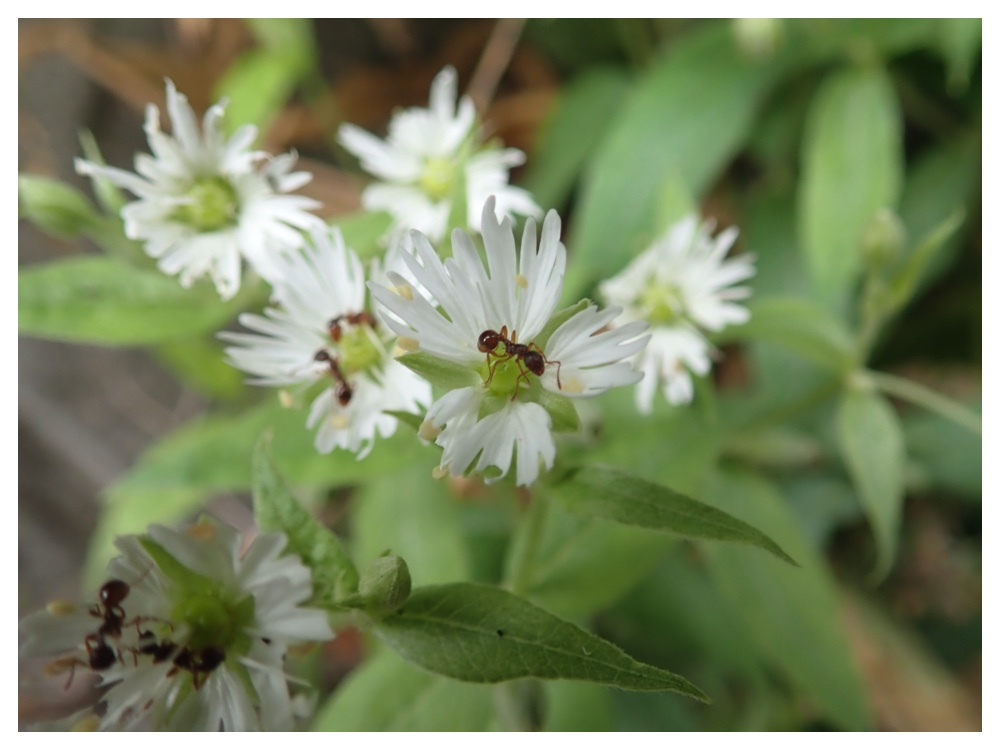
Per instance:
(685,118)
(416,517)
(904,284)
(799,325)
(385,694)
(563,147)
(607,492)
(478,633)
(275,509)
(55,207)
(103,301)
(871,442)
(852,167)
(440,372)
(791,616)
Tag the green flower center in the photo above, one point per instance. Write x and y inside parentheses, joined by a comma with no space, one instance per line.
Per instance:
(215,620)
(213,205)
(505,376)
(359,349)
(438,178)
(662,302)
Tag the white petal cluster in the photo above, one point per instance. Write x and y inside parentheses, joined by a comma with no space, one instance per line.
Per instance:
(683,284)
(322,282)
(517,293)
(178,687)
(204,202)
(425,152)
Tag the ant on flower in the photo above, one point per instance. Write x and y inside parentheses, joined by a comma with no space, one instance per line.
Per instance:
(343,389)
(355,319)
(526,355)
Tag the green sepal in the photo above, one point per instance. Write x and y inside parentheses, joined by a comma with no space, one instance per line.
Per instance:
(560,317)
(174,569)
(440,372)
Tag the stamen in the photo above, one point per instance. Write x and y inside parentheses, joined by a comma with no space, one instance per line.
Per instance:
(428,430)
(521,281)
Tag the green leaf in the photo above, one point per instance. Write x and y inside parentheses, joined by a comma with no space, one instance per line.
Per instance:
(103,301)
(363,231)
(948,455)
(906,281)
(852,166)
(610,493)
(440,372)
(200,363)
(577,707)
(478,633)
(261,80)
(871,442)
(109,195)
(215,453)
(385,694)
(55,207)
(674,202)
(275,509)
(792,615)
(960,41)
(799,325)
(563,147)
(574,566)
(416,517)
(132,512)
(684,119)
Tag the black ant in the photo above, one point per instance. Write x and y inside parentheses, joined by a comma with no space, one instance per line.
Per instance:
(343,389)
(526,355)
(203,663)
(355,319)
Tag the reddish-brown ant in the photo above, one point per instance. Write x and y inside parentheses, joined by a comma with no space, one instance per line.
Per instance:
(526,355)
(355,319)
(343,389)
(202,663)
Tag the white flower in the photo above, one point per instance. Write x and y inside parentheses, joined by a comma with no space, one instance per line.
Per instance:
(683,285)
(205,202)
(421,160)
(189,633)
(320,330)
(491,321)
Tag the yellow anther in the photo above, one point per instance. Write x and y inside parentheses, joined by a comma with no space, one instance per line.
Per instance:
(428,430)
(89,723)
(286,399)
(440,472)
(403,290)
(521,281)
(407,344)
(339,421)
(573,385)
(60,607)
(202,532)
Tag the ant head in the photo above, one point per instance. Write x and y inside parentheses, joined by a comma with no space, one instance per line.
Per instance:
(488,341)
(334,328)
(534,362)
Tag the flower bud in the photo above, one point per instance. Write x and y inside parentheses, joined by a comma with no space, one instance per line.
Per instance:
(385,584)
(882,240)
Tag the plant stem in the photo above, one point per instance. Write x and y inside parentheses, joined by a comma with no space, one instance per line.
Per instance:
(911,391)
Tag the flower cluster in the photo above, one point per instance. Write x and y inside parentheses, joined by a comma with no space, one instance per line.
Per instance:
(321,329)
(205,202)
(426,159)
(683,285)
(492,321)
(189,633)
